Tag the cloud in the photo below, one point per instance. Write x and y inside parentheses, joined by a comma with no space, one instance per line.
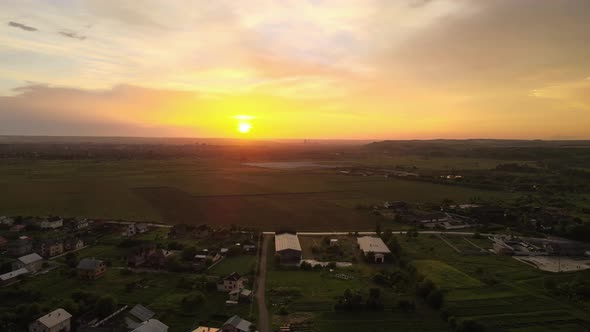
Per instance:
(71,34)
(22,26)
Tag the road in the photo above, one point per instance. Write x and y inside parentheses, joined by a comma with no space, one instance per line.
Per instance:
(263,317)
(373,233)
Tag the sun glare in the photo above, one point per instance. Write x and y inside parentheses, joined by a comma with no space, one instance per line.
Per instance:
(244,127)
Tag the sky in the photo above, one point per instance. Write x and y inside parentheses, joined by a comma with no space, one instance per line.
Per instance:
(348,69)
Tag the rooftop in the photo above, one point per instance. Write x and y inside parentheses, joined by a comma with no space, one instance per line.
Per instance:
(152,325)
(372,244)
(55,317)
(13,274)
(31,258)
(238,323)
(89,264)
(142,313)
(287,241)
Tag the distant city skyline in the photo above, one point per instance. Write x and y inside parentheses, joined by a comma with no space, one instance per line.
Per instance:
(316,69)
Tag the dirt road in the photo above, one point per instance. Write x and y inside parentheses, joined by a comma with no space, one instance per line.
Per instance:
(263,316)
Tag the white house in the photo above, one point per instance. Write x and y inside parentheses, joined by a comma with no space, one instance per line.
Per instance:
(375,245)
(232,282)
(32,262)
(52,223)
(55,321)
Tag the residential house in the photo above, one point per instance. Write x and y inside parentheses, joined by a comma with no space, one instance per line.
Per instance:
(152,325)
(231,282)
(178,232)
(236,324)
(51,248)
(240,295)
(202,256)
(141,313)
(73,244)
(141,228)
(396,205)
(140,254)
(287,247)
(20,247)
(333,242)
(6,221)
(80,223)
(249,248)
(12,276)
(374,246)
(201,231)
(17,228)
(160,258)
(32,262)
(90,268)
(52,223)
(3,243)
(58,320)
(130,230)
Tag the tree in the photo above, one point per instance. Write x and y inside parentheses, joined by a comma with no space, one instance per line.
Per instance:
(435,299)
(71,259)
(188,254)
(424,288)
(105,306)
(469,325)
(192,300)
(306,266)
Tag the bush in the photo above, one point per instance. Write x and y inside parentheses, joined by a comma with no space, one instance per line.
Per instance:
(469,325)
(424,288)
(435,299)
(406,306)
(306,266)
(283,311)
(194,299)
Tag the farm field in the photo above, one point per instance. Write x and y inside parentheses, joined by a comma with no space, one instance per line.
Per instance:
(198,191)
(500,292)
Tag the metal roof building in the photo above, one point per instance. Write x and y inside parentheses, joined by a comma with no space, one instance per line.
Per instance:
(372,244)
(287,241)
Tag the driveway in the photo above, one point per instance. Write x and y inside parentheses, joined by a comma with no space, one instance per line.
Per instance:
(263,316)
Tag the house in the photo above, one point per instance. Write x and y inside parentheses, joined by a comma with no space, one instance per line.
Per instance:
(81,223)
(206,329)
(375,246)
(141,313)
(6,221)
(130,231)
(141,228)
(231,282)
(140,255)
(3,242)
(202,256)
(152,325)
(502,248)
(396,205)
(201,231)
(52,223)
(55,321)
(287,247)
(20,247)
(51,247)
(159,258)
(178,232)
(17,228)
(73,244)
(12,277)
(333,242)
(240,295)
(90,268)
(32,262)
(249,248)
(236,324)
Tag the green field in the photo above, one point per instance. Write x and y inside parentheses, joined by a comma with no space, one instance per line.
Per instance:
(496,290)
(216,193)
(243,264)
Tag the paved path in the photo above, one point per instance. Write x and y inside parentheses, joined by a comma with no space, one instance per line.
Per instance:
(263,317)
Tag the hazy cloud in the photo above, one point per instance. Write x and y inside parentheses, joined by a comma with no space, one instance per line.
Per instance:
(71,34)
(22,26)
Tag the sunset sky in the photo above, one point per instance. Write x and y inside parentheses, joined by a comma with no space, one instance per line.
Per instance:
(358,69)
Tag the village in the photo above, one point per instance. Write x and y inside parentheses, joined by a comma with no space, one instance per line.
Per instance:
(234,262)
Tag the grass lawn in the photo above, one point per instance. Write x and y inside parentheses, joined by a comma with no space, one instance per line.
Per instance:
(243,264)
(158,291)
(445,276)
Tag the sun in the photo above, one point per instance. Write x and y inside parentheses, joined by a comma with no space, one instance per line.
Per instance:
(244,127)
